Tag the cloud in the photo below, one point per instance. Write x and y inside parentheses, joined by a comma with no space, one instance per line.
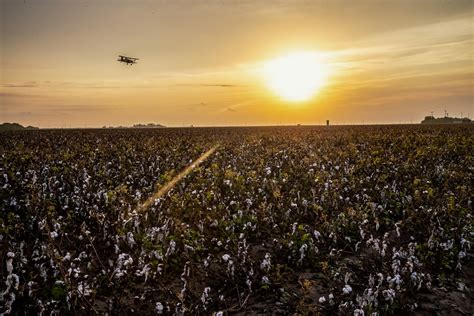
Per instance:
(60,84)
(25,113)
(219,85)
(28,84)
(80,108)
(17,95)
(432,60)
(449,38)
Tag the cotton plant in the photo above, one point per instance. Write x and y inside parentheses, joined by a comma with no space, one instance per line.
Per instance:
(205,298)
(104,191)
(266,264)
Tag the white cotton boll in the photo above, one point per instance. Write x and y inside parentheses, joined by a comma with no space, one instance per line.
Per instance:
(265,280)
(397,228)
(303,249)
(130,239)
(465,243)
(67,257)
(14,280)
(205,295)
(371,280)
(219,313)
(322,299)
(171,248)
(268,170)
(249,283)
(347,276)
(397,279)
(358,312)
(331,298)
(159,308)
(10,255)
(128,262)
(462,287)
(389,295)
(347,289)
(226,257)
(54,235)
(188,247)
(266,263)
(30,287)
(84,289)
(82,255)
(357,246)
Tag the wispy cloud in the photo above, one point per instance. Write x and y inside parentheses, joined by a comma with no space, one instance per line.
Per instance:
(419,62)
(219,85)
(17,95)
(61,84)
(439,42)
(28,84)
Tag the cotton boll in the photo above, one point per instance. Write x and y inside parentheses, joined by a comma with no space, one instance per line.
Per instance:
(226,257)
(10,256)
(159,308)
(347,289)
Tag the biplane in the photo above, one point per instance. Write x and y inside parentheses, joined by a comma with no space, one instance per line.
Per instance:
(127,60)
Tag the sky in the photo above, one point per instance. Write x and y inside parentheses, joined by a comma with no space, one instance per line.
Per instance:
(201,61)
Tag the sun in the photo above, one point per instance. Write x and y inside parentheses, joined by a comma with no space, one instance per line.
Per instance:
(297,76)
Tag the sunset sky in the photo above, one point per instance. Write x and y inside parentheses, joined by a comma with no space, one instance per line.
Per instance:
(202,62)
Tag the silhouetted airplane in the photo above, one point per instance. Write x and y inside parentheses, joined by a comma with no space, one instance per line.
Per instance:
(127,60)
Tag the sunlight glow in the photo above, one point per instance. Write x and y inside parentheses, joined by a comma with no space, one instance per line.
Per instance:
(297,76)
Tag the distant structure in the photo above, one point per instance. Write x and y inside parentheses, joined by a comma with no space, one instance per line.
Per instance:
(149,125)
(327,122)
(446,120)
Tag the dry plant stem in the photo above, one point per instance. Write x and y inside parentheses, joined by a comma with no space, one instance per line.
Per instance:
(95,251)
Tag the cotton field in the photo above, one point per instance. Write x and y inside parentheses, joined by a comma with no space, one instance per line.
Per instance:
(362,220)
